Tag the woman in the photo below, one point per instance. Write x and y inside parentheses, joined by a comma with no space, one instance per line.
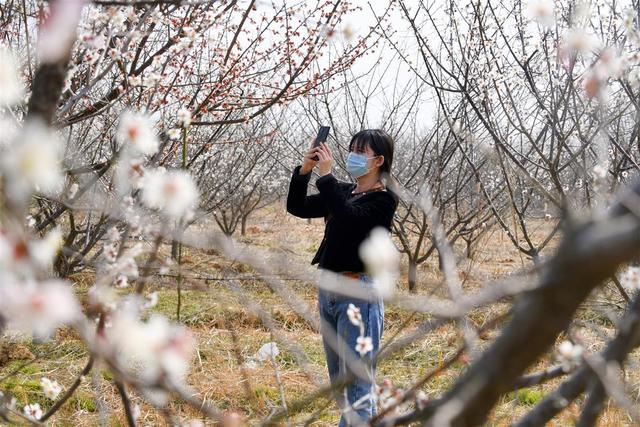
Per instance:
(351,211)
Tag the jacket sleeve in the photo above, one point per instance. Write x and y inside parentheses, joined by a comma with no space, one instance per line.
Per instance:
(298,203)
(378,209)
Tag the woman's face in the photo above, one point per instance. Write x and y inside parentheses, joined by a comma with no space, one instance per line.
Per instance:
(374,161)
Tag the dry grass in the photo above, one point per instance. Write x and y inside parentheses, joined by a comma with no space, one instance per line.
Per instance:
(216,313)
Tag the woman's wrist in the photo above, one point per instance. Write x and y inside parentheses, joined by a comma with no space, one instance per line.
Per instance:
(304,171)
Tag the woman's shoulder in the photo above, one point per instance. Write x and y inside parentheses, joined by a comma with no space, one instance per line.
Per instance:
(389,195)
(343,185)
(381,195)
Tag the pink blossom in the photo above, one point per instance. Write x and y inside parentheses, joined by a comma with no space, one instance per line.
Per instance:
(33,411)
(51,389)
(39,308)
(364,345)
(173,192)
(151,348)
(136,133)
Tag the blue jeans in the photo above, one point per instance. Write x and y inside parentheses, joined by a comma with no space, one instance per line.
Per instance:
(356,400)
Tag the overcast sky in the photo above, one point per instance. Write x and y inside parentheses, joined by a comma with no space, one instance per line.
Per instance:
(360,22)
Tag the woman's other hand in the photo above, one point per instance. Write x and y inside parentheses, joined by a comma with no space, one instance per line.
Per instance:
(308,162)
(326,159)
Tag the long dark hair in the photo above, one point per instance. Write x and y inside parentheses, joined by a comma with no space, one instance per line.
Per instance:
(380,143)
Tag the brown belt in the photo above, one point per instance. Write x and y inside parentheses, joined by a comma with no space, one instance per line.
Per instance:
(351,274)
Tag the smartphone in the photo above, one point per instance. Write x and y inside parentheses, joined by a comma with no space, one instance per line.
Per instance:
(323,133)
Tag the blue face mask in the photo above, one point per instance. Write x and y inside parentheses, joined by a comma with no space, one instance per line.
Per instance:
(357,164)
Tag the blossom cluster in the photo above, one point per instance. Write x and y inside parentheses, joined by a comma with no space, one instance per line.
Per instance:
(569,355)
(382,260)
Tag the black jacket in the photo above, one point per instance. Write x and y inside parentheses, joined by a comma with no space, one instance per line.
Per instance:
(348,218)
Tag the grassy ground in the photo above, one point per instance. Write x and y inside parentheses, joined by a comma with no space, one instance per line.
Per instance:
(228,334)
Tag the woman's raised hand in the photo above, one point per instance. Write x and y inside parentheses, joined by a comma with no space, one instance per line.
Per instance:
(326,159)
(308,162)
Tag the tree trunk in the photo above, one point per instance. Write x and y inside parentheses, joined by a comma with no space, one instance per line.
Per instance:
(470,248)
(413,275)
(174,249)
(243,224)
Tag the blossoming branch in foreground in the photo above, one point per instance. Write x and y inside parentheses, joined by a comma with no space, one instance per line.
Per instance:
(51,389)
(382,260)
(21,255)
(149,350)
(38,307)
(12,90)
(172,192)
(32,162)
(364,345)
(354,315)
(569,355)
(136,134)
(542,11)
(33,411)
(630,279)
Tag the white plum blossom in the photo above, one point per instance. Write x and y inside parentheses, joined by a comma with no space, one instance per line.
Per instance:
(378,252)
(364,345)
(135,81)
(388,396)
(32,162)
(151,348)
(174,133)
(12,89)
(51,389)
(103,298)
(542,11)
(32,411)
(153,78)
(190,32)
(38,308)
(22,254)
(129,174)
(579,41)
(422,399)
(569,355)
(136,133)
(150,300)
(110,252)
(630,279)
(184,117)
(382,260)
(599,172)
(610,64)
(628,21)
(122,281)
(354,315)
(123,267)
(172,192)
(43,251)
(113,235)
(94,41)
(267,351)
